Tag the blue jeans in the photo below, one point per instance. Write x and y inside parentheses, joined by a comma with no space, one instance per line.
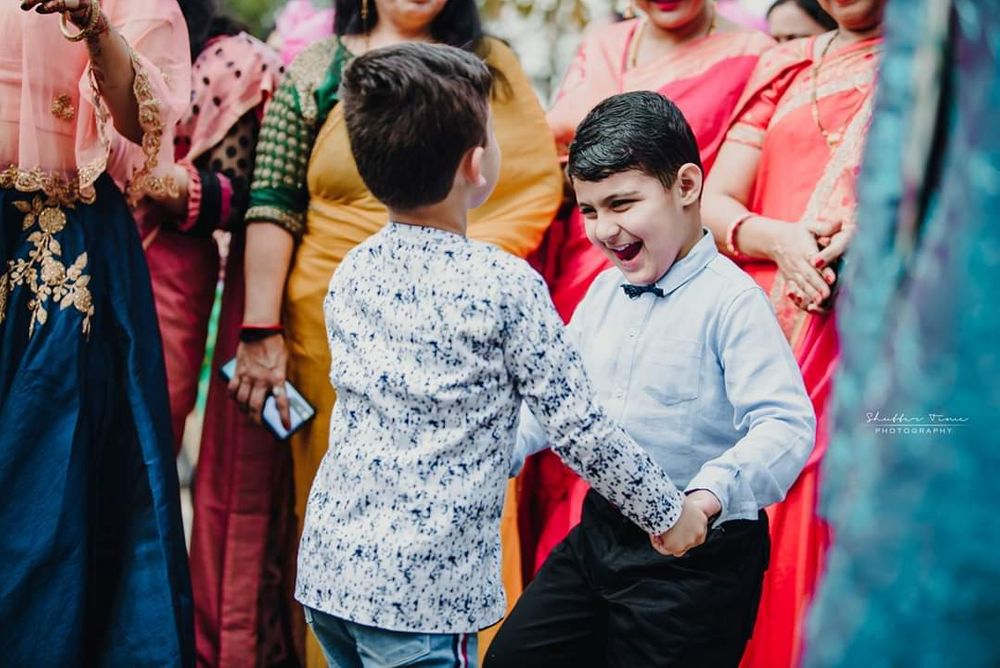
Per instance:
(349,645)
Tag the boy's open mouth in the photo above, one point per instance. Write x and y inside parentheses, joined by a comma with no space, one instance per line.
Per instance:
(627,252)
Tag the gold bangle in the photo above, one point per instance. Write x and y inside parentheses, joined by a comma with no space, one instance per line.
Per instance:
(93,17)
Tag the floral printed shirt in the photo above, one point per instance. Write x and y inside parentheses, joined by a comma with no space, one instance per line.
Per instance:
(435,341)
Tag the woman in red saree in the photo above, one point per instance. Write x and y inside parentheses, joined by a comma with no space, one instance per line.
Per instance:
(700,60)
(234,76)
(782,203)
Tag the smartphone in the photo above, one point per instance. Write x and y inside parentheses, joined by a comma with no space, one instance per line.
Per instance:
(299,410)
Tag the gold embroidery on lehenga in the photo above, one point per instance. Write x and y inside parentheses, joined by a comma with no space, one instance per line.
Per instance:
(63,190)
(43,272)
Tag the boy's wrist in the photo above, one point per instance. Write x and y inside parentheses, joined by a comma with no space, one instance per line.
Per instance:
(707,501)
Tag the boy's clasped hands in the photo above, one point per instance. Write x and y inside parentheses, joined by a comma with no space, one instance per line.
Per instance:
(691,529)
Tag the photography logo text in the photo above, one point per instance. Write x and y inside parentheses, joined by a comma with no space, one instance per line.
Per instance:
(902,423)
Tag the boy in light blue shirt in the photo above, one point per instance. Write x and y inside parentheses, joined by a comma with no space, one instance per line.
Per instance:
(685,352)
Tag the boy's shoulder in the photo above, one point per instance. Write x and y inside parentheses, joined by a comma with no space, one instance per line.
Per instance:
(488,264)
(733,289)
(731,280)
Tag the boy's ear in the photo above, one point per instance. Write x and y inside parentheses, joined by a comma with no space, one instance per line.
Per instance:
(689,181)
(471,167)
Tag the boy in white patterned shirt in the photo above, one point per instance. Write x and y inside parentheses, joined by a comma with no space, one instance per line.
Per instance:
(435,341)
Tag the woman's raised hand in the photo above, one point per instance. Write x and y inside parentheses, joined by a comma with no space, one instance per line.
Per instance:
(78,10)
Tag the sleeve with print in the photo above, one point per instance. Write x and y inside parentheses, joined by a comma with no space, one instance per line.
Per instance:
(550,377)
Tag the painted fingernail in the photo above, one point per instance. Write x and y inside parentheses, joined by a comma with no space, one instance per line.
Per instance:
(817,262)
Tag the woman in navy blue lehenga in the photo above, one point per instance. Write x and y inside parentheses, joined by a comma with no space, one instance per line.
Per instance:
(92,563)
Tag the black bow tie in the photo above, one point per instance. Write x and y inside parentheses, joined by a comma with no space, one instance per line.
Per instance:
(633,291)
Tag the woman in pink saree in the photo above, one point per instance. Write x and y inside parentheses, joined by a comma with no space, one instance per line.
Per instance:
(782,202)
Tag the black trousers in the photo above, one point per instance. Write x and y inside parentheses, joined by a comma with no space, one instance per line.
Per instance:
(605,597)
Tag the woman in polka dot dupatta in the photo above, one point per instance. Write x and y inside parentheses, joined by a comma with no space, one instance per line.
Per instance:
(233,75)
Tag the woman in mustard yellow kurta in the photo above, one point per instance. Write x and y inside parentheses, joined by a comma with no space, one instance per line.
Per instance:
(307,187)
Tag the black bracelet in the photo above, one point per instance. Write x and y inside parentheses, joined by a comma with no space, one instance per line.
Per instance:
(250,334)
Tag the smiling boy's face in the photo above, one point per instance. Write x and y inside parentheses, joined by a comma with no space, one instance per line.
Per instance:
(638,223)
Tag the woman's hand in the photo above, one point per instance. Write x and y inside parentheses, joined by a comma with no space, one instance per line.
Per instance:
(78,10)
(260,371)
(834,247)
(794,247)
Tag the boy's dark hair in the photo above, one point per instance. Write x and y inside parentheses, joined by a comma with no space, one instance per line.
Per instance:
(412,111)
(641,130)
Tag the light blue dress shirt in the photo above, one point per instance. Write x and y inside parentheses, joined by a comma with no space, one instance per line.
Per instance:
(702,378)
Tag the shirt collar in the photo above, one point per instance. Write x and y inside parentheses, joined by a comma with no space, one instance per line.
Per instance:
(690,265)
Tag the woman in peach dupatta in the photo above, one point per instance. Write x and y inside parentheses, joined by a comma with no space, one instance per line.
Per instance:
(782,203)
(700,60)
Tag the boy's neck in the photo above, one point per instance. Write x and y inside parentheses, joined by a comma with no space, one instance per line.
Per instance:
(446,215)
(691,241)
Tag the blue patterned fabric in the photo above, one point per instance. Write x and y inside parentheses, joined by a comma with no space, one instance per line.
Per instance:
(94,570)
(914,572)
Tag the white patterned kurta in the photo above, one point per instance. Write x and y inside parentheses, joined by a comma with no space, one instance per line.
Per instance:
(435,340)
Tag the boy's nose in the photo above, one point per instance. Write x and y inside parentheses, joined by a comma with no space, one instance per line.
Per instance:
(606,230)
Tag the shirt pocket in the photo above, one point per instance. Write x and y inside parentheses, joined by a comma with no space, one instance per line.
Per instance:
(671,371)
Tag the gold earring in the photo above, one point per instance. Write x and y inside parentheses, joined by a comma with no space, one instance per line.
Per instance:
(364,12)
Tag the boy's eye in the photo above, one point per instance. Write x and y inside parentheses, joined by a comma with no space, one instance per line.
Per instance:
(588,212)
(620,204)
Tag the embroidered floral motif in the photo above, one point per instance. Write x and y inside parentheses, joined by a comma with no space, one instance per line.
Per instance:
(43,272)
(151,121)
(62,107)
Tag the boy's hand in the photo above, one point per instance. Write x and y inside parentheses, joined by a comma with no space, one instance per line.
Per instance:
(689,532)
(707,501)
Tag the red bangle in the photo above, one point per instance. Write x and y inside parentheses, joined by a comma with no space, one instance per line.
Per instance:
(734,227)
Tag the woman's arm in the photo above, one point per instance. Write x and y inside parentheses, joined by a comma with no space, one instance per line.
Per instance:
(213,191)
(261,365)
(791,246)
(109,56)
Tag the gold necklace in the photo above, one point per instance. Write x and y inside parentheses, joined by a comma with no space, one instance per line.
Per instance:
(832,138)
(633,48)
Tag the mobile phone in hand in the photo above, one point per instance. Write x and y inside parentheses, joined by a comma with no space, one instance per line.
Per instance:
(299,410)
